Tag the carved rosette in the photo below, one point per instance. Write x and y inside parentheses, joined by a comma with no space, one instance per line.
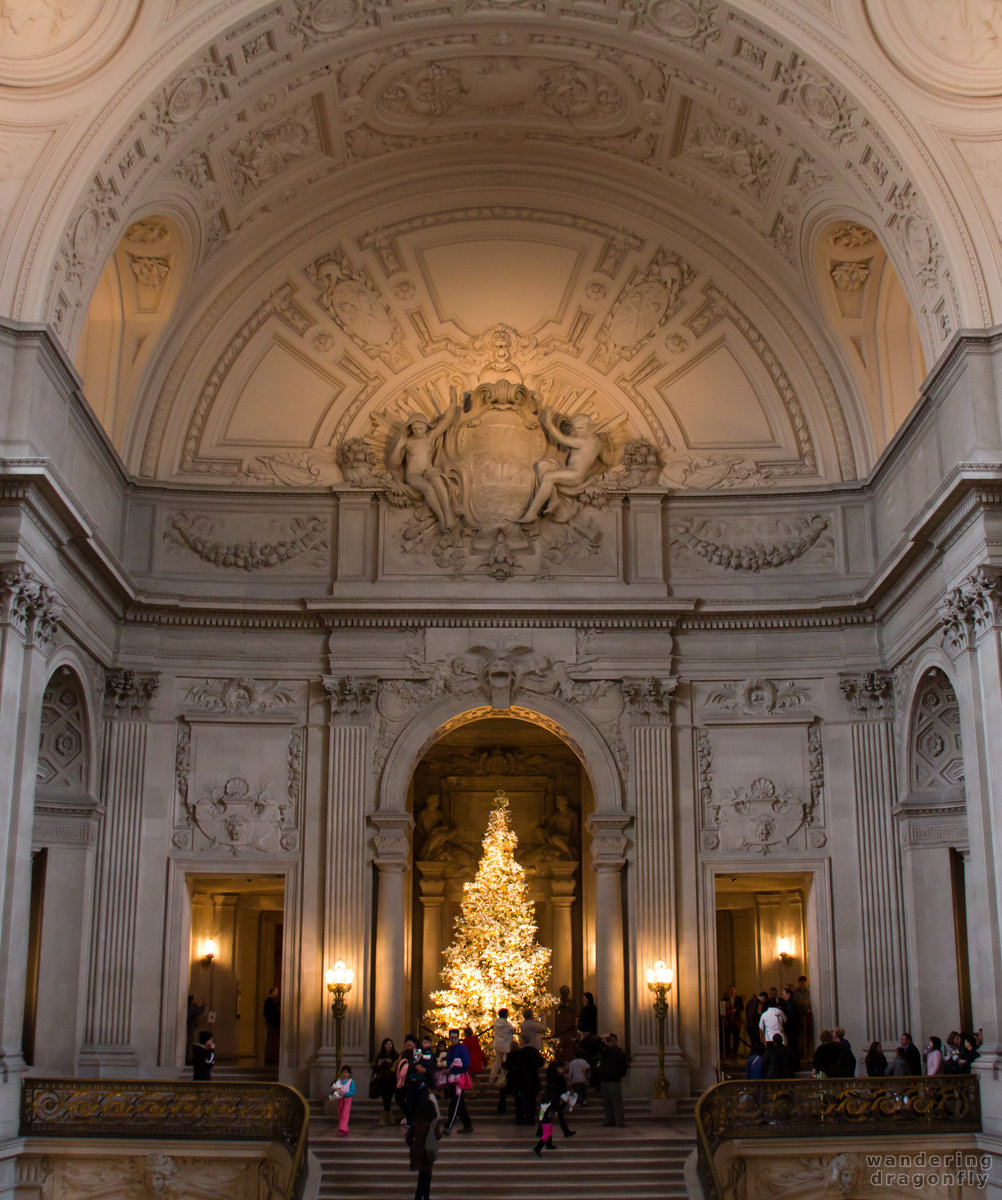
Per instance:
(971,609)
(870,696)
(29,606)
(127,693)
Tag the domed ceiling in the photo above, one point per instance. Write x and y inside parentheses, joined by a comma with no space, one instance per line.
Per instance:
(335,213)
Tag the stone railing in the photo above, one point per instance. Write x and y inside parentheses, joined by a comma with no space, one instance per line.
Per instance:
(158,1109)
(812,1108)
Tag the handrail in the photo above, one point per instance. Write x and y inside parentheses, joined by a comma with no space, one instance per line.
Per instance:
(825,1107)
(158,1108)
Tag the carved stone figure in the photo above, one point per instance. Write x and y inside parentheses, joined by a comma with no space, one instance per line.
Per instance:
(412,461)
(558,482)
(559,829)
(436,833)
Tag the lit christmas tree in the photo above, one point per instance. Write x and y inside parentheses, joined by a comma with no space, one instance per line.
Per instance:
(494,960)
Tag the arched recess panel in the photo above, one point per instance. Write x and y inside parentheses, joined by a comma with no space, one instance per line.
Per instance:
(933,817)
(129,310)
(869,314)
(63,848)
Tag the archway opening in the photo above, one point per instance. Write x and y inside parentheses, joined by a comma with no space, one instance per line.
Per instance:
(452,793)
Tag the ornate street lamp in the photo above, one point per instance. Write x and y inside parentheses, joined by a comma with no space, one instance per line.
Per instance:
(339,980)
(659,980)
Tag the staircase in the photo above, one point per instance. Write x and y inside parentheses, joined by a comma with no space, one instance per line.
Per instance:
(640,1162)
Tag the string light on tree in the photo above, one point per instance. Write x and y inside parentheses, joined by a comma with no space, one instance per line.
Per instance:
(494,960)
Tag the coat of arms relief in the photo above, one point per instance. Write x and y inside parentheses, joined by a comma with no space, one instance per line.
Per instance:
(495,482)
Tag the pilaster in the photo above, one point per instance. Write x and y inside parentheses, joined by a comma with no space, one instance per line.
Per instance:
(608,852)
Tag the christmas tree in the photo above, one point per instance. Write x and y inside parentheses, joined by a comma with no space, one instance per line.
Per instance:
(494,960)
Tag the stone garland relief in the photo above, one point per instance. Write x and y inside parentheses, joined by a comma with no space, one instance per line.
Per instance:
(755,697)
(244,696)
(151,1177)
(764,816)
(755,544)
(201,535)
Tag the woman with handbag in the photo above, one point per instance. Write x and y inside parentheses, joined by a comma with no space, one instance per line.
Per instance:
(422,1137)
(383,1081)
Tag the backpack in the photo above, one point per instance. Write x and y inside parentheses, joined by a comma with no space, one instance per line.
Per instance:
(431,1144)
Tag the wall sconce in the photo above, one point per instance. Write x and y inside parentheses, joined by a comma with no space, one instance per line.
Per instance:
(339,979)
(784,949)
(659,980)
(208,951)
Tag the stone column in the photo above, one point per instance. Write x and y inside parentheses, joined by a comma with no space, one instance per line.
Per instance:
(562,894)
(608,852)
(29,613)
(391,998)
(432,889)
(870,698)
(972,618)
(107,1049)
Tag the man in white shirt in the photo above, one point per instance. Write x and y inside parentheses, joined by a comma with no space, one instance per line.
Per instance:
(503,1033)
(531,1031)
(772,1022)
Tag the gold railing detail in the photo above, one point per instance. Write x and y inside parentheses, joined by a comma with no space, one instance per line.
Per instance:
(775,1108)
(155,1108)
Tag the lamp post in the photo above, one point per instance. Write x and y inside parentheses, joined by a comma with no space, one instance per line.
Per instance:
(339,980)
(659,980)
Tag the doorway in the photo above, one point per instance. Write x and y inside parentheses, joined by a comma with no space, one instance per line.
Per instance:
(762,923)
(235,957)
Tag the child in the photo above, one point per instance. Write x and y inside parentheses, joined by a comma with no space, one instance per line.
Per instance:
(545,1130)
(577,1077)
(342,1091)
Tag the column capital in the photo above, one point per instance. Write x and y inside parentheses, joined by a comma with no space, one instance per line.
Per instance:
(869,695)
(971,609)
(650,697)
(351,699)
(391,840)
(609,841)
(127,693)
(31,607)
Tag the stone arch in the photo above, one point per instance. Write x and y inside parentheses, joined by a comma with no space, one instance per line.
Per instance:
(561,718)
(67,759)
(935,748)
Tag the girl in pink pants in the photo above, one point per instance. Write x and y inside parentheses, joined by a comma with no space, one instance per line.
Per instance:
(343,1090)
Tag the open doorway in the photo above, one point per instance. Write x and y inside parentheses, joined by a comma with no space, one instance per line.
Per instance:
(235,957)
(762,924)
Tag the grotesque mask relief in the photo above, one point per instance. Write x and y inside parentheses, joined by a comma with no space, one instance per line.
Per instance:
(496,483)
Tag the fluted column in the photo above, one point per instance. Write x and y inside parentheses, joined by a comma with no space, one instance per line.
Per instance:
(391,842)
(870,700)
(608,852)
(107,1048)
(29,614)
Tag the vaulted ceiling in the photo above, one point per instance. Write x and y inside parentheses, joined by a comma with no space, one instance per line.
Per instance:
(266,230)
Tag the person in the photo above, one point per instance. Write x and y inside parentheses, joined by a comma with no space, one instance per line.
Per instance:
(475,1051)
(196,1010)
(802,999)
(934,1056)
(588,1016)
(203,1056)
(412,458)
(384,1077)
(502,1033)
(752,1012)
(553,1093)
(613,1067)
(826,1056)
(420,1077)
(899,1063)
(577,1077)
(875,1061)
(459,1082)
(342,1091)
(969,1049)
(846,1058)
(791,1030)
(403,1070)
(531,1031)
(545,1130)
(733,1008)
(755,1067)
(772,1020)
(777,1063)
(272,1023)
(911,1054)
(584,449)
(523,1081)
(422,1138)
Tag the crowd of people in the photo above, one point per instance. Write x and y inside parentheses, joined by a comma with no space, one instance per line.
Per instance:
(753,1026)
(425,1084)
